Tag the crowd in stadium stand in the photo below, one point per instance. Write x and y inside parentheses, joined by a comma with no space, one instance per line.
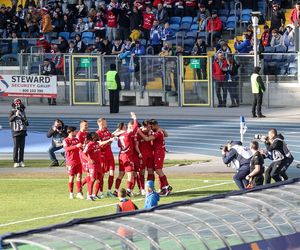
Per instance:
(139,27)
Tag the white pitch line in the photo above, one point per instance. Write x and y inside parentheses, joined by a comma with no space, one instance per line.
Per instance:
(97,207)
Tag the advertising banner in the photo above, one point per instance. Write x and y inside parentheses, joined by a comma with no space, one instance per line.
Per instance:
(28,86)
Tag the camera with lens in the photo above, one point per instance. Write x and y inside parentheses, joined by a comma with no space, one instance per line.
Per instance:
(18,107)
(259,137)
(59,127)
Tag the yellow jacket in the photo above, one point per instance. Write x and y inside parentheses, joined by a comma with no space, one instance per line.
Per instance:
(46,24)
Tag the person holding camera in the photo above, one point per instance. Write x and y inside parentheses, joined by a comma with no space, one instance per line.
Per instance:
(274,145)
(18,123)
(256,175)
(289,158)
(238,157)
(57,132)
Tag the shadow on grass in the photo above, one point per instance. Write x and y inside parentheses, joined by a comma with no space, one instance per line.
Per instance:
(198,193)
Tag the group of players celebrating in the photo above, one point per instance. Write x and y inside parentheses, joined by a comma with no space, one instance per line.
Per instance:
(142,147)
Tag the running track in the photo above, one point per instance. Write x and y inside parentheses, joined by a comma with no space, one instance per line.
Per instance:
(193,136)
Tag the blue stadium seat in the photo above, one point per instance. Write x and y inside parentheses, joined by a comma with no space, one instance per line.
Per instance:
(281,49)
(187,19)
(223,19)
(246,11)
(175,20)
(191,34)
(238,12)
(261,6)
(231,21)
(88,34)
(85,19)
(246,15)
(174,27)
(73,34)
(223,12)
(185,27)
(203,35)
(88,41)
(194,27)
(195,20)
(65,35)
(180,35)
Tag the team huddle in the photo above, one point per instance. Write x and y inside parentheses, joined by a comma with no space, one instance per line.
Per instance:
(142,147)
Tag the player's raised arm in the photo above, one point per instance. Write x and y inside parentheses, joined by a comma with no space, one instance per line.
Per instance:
(146,138)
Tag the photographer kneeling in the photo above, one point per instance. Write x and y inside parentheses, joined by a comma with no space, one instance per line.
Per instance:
(238,157)
(275,147)
(256,175)
(58,132)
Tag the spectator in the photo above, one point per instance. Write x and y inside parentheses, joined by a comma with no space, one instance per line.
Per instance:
(46,25)
(199,49)
(79,44)
(125,204)
(161,15)
(288,39)
(152,198)
(214,27)
(166,50)
(190,7)
(277,17)
(233,83)
(57,133)
(148,19)
(265,37)
(135,19)
(106,47)
(124,21)
(90,24)
(16,45)
(81,10)
(100,25)
(57,23)
(81,26)
(13,25)
(213,5)
(112,20)
(58,61)
(67,24)
(72,48)
(224,48)
(97,46)
(48,69)
(43,45)
(113,85)
(166,33)
(178,8)
(219,70)
(155,37)
(18,123)
(202,16)
(31,25)
(118,47)
(3,22)
(295,15)
(63,44)
(168,5)
(138,50)
(276,38)
(243,46)
(256,175)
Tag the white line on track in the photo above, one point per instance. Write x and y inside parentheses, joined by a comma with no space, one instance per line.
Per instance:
(97,207)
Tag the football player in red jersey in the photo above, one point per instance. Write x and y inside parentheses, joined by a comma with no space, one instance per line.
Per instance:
(93,155)
(127,148)
(158,138)
(72,147)
(145,151)
(81,136)
(105,140)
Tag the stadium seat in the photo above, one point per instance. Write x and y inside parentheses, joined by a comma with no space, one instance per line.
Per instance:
(233,13)
(175,20)
(191,34)
(180,34)
(174,27)
(73,34)
(223,19)
(65,35)
(246,16)
(195,20)
(85,19)
(261,6)
(195,27)
(87,34)
(203,35)
(223,12)
(187,19)
(185,27)
(88,41)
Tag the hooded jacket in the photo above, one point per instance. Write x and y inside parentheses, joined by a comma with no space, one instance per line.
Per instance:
(151,200)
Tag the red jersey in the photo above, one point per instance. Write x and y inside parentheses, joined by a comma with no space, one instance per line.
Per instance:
(145,146)
(126,142)
(159,142)
(105,135)
(72,152)
(93,150)
(191,3)
(81,136)
(148,19)
(112,20)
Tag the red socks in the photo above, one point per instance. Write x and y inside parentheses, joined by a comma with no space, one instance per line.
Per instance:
(129,185)
(90,187)
(71,184)
(85,180)
(97,187)
(142,181)
(78,186)
(163,182)
(110,181)
(118,183)
(150,177)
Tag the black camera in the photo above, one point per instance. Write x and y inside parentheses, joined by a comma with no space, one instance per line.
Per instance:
(59,128)
(225,148)
(257,136)
(18,107)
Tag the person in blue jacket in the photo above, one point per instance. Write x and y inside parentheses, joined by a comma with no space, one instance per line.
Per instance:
(239,158)
(152,198)
(244,46)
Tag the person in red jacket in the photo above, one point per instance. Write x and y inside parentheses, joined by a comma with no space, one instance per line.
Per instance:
(112,20)
(295,15)
(148,19)
(219,72)
(214,27)
(43,45)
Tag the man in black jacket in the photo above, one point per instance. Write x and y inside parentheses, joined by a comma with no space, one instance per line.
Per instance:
(258,87)
(274,146)
(48,69)
(277,17)
(18,123)
(57,132)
